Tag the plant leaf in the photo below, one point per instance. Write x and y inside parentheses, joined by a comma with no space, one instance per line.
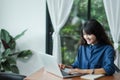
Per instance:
(24,54)
(12,44)
(21,34)
(14,69)
(7,40)
(5,36)
(10,65)
(11,60)
(6,52)
(6,66)
(0,49)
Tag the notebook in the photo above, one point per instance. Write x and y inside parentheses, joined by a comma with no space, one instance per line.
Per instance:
(92,76)
(51,66)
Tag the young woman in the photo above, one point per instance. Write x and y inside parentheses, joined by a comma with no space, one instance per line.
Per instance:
(96,53)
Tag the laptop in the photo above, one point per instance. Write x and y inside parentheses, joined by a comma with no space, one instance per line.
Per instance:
(51,66)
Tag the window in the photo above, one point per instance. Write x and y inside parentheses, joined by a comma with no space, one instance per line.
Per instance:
(70,33)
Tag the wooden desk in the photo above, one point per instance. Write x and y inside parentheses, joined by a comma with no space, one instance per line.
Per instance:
(43,75)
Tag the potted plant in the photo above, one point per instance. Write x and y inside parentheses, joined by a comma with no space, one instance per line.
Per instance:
(8,53)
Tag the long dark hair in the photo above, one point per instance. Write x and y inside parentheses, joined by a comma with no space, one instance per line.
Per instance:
(92,26)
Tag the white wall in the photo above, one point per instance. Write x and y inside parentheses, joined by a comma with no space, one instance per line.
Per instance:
(27,67)
(18,15)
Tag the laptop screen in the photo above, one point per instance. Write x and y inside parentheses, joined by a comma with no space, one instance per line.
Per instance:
(50,64)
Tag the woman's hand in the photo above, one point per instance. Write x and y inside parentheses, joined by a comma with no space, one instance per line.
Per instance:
(72,71)
(62,66)
(76,70)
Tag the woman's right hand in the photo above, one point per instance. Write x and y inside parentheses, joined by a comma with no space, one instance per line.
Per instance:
(62,66)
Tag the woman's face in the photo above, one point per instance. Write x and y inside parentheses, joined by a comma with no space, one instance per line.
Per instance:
(90,38)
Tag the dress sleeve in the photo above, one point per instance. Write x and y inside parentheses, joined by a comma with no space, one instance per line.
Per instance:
(109,61)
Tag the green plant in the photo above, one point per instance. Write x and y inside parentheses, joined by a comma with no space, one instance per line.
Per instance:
(8,53)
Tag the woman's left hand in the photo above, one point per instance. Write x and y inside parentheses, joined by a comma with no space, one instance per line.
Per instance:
(76,70)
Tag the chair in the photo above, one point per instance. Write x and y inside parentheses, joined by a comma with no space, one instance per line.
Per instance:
(11,76)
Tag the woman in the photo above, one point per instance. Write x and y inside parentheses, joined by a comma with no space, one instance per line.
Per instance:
(96,53)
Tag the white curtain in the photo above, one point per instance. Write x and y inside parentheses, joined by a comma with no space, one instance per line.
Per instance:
(59,12)
(112,8)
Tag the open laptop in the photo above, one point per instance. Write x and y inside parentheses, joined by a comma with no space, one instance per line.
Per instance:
(51,65)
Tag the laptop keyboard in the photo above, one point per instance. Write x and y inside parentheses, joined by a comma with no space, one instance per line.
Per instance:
(64,73)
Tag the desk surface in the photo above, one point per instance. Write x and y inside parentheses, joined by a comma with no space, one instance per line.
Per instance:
(43,75)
